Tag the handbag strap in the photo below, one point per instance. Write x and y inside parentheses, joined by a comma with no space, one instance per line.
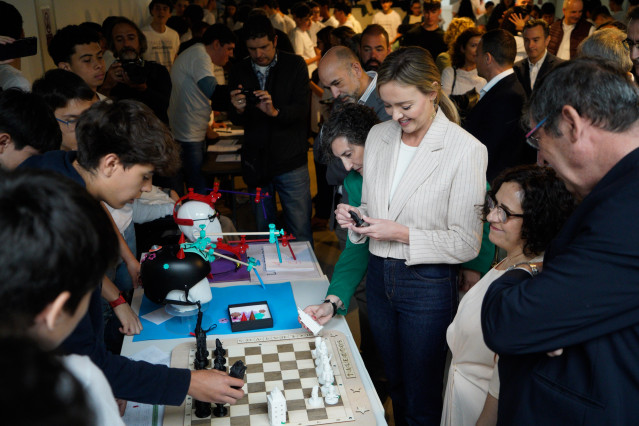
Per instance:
(454,79)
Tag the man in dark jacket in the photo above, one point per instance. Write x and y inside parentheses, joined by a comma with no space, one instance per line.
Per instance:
(271,99)
(583,308)
(539,61)
(495,118)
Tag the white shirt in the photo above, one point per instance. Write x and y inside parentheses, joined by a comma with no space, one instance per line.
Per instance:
(371,86)
(332,22)
(496,79)
(316,26)
(390,22)
(303,46)
(563,51)
(534,69)
(406,154)
(353,23)
(96,388)
(189,108)
(162,47)
(12,77)
(277,21)
(466,80)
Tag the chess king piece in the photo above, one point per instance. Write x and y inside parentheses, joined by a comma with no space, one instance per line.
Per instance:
(276,407)
(331,397)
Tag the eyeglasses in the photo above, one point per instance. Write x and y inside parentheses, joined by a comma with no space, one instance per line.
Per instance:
(70,124)
(533,140)
(502,214)
(629,44)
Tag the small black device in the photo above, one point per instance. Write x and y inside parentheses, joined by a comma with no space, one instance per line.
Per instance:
(251,98)
(359,222)
(19,48)
(135,70)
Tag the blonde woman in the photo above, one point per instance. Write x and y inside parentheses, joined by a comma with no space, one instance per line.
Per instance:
(423,175)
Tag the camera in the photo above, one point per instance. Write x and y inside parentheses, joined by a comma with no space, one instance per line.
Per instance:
(251,98)
(135,70)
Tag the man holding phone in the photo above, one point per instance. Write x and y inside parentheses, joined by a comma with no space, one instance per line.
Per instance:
(10,32)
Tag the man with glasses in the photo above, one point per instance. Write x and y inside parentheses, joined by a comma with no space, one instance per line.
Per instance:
(68,96)
(568,338)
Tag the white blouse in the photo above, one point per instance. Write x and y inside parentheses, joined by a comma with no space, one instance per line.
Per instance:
(466,80)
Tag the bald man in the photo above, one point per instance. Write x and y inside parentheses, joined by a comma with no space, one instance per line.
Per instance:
(567,33)
(341,72)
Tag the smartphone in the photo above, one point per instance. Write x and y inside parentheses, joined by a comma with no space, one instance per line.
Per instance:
(19,48)
(359,222)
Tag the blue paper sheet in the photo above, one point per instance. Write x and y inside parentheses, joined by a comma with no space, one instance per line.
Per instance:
(279,297)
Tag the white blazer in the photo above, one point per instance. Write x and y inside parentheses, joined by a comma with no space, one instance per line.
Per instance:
(437,197)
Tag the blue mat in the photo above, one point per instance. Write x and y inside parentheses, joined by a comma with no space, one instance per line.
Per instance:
(279,297)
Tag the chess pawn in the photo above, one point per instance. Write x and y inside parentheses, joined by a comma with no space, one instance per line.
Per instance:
(331,397)
(315,401)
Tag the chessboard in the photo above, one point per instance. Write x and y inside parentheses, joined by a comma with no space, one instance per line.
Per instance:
(284,361)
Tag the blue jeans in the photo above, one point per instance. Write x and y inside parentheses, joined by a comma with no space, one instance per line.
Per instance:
(409,309)
(294,189)
(192,158)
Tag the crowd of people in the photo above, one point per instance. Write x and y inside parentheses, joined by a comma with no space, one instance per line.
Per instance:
(493,157)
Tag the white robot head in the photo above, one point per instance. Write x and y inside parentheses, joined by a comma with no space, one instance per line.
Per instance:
(192,214)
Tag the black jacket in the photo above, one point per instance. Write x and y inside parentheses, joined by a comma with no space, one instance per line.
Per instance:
(273,146)
(522,71)
(495,121)
(586,301)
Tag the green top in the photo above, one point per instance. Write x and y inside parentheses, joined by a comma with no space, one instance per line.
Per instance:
(353,261)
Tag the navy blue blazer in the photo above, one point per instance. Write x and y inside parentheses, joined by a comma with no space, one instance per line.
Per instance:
(586,301)
(495,121)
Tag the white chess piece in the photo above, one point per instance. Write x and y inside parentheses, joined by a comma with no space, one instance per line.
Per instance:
(315,352)
(315,401)
(276,407)
(331,397)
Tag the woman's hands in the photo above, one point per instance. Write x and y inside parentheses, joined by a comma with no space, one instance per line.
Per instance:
(377,229)
(323,312)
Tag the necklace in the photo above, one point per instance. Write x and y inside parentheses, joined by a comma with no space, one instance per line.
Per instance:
(508,261)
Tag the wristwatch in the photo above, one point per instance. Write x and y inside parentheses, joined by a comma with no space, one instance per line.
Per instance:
(334,306)
(117,302)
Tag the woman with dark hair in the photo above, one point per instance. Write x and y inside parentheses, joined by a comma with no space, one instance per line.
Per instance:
(462,76)
(526,208)
(343,137)
(423,175)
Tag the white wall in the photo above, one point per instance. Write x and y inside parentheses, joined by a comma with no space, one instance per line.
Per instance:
(67,12)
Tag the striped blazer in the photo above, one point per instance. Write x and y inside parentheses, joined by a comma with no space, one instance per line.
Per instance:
(437,197)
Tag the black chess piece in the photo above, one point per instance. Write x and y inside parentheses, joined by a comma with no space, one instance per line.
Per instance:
(237,370)
(201,354)
(202,409)
(219,350)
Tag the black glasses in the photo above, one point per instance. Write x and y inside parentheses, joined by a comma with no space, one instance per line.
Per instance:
(502,214)
(533,140)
